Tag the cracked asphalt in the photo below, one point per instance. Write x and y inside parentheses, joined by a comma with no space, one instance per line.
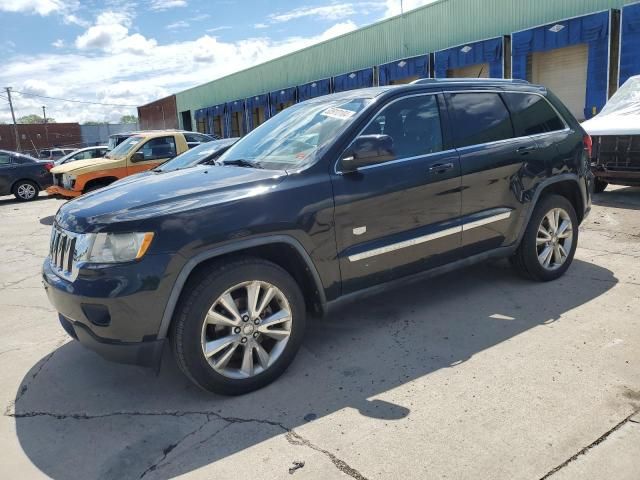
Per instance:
(475,374)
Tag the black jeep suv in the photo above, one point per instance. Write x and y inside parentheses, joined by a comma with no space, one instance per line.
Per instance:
(331,196)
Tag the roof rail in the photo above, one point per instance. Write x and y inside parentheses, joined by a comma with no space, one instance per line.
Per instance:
(465,80)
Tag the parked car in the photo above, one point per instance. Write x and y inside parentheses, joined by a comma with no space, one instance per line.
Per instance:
(83,154)
(22,175)
(205,154)
(54,153)
(140,152)
(616,138)
(193,138)
(330,197)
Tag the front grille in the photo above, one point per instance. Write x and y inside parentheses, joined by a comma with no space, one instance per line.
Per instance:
(62,252)
(617,152)
(57,179)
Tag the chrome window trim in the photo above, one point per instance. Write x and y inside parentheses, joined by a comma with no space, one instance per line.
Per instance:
(423,94)
(431,236)
(405,159)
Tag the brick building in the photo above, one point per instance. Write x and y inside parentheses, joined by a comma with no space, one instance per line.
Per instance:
(38,136)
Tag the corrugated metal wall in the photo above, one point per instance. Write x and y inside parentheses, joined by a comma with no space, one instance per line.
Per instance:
(434,27)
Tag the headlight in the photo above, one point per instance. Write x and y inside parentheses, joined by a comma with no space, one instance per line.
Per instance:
(116,247)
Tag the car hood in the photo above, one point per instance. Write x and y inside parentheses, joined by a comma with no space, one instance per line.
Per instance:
(613,125)
(78,165)
(161,194)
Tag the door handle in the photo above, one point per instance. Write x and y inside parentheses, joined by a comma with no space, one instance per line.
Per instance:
(527,149)
(440,167)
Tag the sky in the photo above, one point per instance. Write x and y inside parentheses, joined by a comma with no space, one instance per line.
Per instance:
(130,52)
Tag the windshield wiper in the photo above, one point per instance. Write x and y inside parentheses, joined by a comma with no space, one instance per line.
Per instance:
(241,162)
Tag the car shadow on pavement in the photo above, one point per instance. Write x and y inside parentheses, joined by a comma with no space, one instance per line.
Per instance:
(78,416)
(627,198)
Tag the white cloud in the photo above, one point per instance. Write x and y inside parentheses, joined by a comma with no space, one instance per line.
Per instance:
(393,6)
(178,24)
(58,43)
(40,7)
(111,72)
(330,12)
(110,33)
(260,25)
(167,4)
(217,29)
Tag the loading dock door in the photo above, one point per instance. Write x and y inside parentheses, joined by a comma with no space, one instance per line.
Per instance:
(564,72)
(480,70)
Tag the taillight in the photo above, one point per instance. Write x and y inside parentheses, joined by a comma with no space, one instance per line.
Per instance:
(588,144)
(49,165)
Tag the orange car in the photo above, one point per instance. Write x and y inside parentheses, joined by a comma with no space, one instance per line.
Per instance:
(142,151)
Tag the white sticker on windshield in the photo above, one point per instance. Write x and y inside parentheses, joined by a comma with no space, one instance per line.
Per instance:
(335,112)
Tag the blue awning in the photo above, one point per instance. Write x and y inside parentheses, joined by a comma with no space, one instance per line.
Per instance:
(231,108)
(630,42)
(590,29)
(401,69)
(484,51)
(282,96)
(212,113)
(350,81)
(314,89)
(259,101)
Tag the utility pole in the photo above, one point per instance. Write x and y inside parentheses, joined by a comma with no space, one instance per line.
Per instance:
(13,116)
(46,130)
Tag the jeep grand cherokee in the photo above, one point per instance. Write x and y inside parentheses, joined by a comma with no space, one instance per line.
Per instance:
(332,196)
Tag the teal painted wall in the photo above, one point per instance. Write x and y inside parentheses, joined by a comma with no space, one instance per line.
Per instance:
(437,26)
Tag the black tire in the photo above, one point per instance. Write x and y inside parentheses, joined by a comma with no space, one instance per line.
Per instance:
(525,260)
(600,185)
(21,188)
(201,292)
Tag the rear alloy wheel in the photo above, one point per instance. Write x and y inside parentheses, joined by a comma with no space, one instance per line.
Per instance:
(549,242)
(25,190)
(239,326)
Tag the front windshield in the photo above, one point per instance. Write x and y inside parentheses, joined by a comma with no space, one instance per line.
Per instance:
(125,147)
(191,157)
(296,136)
(60,161)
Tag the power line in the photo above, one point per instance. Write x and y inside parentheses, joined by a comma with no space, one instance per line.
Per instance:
(73,101)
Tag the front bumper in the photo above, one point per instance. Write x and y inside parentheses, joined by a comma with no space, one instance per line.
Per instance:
(57,190)
(630,178)
(145,354)
(117,311)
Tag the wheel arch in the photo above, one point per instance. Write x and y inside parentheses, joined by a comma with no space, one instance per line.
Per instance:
(104,181)
(282,250)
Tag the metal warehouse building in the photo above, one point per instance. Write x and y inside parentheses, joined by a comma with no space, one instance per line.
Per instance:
(581,49)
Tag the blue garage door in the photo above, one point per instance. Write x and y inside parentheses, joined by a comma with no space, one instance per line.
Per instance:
(350,81)
(477,53)
(215,120)
(314,89)
(201,120)
(258,110)
(630,42)
(404,71)
(236,125)
(591,30)
(281,99)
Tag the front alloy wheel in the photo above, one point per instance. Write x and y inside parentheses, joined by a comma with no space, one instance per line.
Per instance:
(554,239)
(238,326)
(246,329)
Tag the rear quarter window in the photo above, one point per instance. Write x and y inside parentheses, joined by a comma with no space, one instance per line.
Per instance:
(532,114)
(479,118)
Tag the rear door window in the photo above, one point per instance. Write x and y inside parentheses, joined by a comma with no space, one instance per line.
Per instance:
(479,118)
(532,114)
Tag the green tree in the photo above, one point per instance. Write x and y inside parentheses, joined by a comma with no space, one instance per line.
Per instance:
(95,122)
(128,119)
(31,119)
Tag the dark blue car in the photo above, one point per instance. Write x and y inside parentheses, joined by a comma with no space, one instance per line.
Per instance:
(23,176)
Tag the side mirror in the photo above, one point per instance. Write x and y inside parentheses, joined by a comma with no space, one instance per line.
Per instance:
(367,150)
(137,157)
